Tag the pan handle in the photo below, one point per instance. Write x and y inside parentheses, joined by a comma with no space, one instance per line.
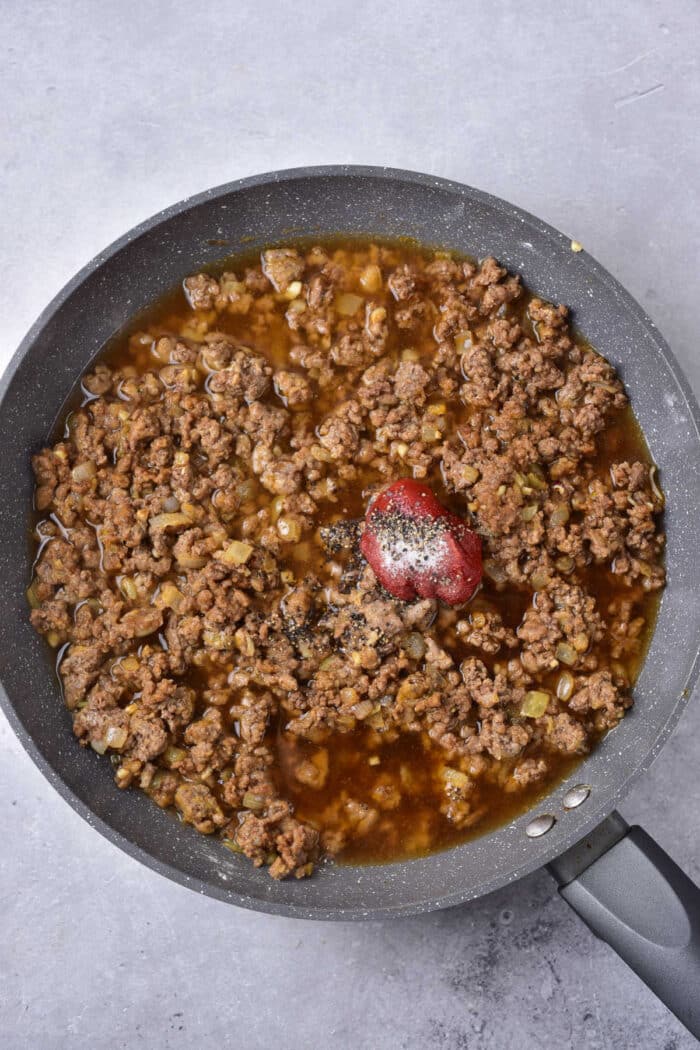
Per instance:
(630,893)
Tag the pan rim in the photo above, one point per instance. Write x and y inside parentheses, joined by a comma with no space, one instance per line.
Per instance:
(595,813)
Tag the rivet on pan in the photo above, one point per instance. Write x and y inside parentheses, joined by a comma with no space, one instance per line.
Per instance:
(576,796)
(540,825)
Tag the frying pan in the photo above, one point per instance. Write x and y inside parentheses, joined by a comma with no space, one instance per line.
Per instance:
(624,886)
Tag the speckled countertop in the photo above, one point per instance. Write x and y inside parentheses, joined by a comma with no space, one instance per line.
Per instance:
(584,114)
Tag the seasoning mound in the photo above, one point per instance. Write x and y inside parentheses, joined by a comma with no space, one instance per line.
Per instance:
(199,572)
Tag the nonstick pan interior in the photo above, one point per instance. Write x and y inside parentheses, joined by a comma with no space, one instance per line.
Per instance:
(281,208)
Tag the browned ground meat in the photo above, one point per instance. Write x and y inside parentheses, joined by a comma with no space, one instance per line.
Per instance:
(221,636)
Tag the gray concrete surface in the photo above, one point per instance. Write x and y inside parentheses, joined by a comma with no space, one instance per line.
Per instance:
(584,113)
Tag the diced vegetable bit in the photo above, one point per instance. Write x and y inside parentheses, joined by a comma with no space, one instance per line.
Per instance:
(191,511)
(84,471)
(455,778)
(247,490)
(175,520)
(539,580)
(565,686)
(415,646)
(535,704)
(276,508)
(170,597)
(536,479)
(217,639)
(566,654)
(430,432)
(244,642)
(348,304)
(141,622)
(128,588)
(236,553)
(289,529)
(252,801)
(174,756)
(191,561)
(371,279)
(116,737)
(293,291)
(232,845)
(363,710)
(654,483)
(560,515)
(463,342)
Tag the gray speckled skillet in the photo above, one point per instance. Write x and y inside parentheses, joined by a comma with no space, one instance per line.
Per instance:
(662,941)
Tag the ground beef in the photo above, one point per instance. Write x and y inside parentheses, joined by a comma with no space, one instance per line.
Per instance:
(294,388)
(599,694)
(560,628)
(199,572)
(282,266)
(201,290)
(291,844)
(567,734)
(485,630)
(199,807)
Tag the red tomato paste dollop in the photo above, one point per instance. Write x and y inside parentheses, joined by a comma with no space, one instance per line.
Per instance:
(419,549)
